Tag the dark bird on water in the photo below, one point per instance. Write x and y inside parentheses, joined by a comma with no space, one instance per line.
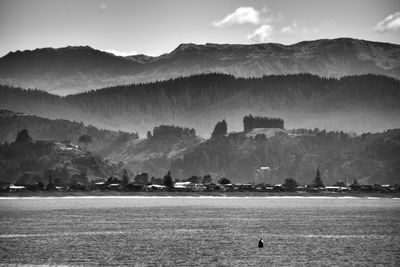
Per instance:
(260,243)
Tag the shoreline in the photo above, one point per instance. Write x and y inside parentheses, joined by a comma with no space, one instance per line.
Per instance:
(113,194)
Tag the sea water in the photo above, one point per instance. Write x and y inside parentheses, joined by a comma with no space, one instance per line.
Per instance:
(200,231)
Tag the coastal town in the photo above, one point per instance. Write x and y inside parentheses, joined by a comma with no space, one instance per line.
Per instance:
(142,183)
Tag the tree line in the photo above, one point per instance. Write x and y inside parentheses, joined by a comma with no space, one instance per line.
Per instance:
(250,122)
(198,101)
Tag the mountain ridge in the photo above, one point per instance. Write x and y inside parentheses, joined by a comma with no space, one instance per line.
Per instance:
(77,69)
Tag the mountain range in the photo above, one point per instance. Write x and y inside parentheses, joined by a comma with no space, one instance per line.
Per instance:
(349,87)
(71,70)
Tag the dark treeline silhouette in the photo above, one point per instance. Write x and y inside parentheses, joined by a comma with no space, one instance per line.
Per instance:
(358,103)
(220,129)
(250,122)
(171,131)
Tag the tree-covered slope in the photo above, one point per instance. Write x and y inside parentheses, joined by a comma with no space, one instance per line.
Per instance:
(155,153)
(369,158)
(355,103)
(103,141)
(30,161)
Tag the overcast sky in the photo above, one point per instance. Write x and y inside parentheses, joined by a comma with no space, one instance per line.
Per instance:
(156,27)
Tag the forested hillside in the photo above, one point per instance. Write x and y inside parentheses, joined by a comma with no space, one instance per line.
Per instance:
(366,103)
(154,154)
(369,158)
(103,141)
(30,161)
(296,153)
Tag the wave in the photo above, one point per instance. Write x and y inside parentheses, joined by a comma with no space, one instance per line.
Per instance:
(64,234)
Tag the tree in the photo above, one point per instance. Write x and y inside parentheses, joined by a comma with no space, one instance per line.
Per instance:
(340,183)
(207,179)
(224,181)
(250,122)
(168,180)
(355,186)
(142,178)
(194,179)
(125,178)
(86,140)
(50,186)
(317,182)
(220,129)
(290,184)
(23,137)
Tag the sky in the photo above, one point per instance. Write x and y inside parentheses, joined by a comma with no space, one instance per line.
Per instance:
(155,27)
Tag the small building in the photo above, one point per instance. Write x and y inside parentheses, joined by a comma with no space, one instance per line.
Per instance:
(100,185)
(183,186)
(16,188)
(244,187)
(115,186)
(155,187)
(197,187)
(278,187)
(334,188)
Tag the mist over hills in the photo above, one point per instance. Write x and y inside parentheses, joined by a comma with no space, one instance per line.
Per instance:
(369,158)
(77,69)
(29,161)
(155,153)
(366,103)
(342,85)
(103,141)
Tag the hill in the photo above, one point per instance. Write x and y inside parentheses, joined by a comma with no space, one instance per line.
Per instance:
(239,156)
(369,158)
(103,141)
(154,154)
(77,69)
(28,162)
(365,103)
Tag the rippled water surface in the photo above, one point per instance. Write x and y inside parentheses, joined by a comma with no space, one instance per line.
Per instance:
(174,231)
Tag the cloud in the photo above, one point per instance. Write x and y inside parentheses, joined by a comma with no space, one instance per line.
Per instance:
(289,28)
(242,15)
(390,23)
(262,33)
(296,28)
(119,53)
